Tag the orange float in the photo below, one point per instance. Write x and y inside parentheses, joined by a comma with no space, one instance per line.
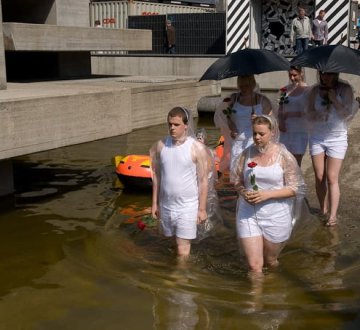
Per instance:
(219,152)
(134,171)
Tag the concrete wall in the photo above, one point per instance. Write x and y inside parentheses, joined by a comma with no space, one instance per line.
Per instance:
(42,37)
(72,13)
(57,26)
(172,65)
(34,45)
(151,65)
(194,67)
(32,125)
(157,105)
(42,116)
(2,55)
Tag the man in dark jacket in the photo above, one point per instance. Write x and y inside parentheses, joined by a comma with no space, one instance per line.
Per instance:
(170,38)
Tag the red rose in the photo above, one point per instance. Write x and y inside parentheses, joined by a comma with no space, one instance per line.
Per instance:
(252,164)
(283,90)
(141,225)
(227,99)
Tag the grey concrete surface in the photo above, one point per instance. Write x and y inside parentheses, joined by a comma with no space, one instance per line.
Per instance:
(46,115)
(2,55)
(43,37)
(194,67)
(75,13)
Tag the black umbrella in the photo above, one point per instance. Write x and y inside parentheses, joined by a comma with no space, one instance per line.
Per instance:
(330,58)
(245,62)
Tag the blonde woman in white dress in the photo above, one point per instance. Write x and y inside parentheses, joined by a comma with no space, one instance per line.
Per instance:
(268,180)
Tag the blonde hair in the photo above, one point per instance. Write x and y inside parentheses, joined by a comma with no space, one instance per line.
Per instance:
(271,122)
(249,79)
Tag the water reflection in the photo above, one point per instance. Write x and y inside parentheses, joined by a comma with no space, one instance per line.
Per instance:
(174,307)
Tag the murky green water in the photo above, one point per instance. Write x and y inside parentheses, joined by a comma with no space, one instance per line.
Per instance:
(70,261)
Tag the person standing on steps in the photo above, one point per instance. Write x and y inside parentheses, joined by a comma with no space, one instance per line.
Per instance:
(320,29)
(300,32)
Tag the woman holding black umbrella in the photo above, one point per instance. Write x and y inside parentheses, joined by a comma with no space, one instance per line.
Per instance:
(235,116)
(331,105)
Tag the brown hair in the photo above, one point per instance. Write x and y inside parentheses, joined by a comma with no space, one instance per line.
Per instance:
(335,74)
(299,70)
(179,112)
(250,79)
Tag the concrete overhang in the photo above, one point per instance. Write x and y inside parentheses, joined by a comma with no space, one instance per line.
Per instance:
(45,37)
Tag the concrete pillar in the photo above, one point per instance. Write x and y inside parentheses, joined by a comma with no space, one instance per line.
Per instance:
(6,178)
(2,55)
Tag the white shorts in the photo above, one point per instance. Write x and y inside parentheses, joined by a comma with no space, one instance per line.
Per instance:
(272,231)
(181,223)
(334,147)
(295,142)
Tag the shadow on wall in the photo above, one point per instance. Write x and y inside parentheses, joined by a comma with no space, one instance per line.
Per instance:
(29,11)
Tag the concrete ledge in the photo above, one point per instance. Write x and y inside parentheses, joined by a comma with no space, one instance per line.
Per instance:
(173,65)
(160,99)
(41,116)
(186,65)
(44,37)
(154,66)
(38,124)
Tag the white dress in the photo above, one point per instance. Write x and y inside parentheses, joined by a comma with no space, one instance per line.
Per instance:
(272,218)
(296,136)
(242,121)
